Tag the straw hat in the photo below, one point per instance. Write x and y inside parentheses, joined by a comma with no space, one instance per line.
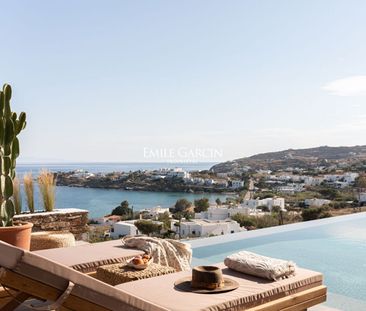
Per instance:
(206,280)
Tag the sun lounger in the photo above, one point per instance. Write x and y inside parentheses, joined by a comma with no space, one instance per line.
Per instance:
(35,276)
(32,275)
(254,294)
(87,258)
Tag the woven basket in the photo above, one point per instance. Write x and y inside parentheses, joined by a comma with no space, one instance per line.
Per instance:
(51,239)
(122,273)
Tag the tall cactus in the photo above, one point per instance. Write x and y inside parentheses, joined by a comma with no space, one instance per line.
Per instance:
(10,127)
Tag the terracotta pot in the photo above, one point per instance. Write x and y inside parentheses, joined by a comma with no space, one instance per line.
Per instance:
(18,235)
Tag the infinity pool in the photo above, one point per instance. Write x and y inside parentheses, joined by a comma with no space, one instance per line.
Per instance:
(334,246)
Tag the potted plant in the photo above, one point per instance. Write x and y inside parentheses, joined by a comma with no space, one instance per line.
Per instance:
(11,125)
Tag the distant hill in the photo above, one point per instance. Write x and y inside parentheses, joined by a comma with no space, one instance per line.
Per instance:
(301,158)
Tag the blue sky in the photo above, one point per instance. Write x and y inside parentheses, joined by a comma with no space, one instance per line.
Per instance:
(121,80)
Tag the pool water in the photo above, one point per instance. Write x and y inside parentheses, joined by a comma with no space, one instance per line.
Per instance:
(336,247)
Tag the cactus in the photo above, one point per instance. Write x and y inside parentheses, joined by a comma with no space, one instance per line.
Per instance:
(10,126)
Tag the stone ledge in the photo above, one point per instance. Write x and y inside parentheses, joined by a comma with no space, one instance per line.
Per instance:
(69,219)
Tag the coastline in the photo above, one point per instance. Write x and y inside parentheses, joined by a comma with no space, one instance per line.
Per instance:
(145,181)
(100,202)
(149,189)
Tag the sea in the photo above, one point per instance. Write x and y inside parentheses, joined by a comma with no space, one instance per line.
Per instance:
(100,202)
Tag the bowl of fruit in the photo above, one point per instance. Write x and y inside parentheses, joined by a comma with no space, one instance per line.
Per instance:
(140,262)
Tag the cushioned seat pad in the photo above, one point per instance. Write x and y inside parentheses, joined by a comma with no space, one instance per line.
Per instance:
(87,258)
(252,292)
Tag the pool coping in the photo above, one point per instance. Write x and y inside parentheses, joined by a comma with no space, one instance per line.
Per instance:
(271,230)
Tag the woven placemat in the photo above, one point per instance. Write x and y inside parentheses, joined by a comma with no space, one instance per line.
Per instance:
(121,273)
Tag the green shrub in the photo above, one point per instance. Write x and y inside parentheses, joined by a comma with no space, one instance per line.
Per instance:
(244,220)
(329,193)
(123,210)
(266,221)
(255,221)
(313,213)
(182,205)
(201,205)
(148,227)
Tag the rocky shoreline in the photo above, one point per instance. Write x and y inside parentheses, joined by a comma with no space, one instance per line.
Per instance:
(135,181)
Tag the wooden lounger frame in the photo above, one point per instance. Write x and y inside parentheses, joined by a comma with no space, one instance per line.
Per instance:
(26,288)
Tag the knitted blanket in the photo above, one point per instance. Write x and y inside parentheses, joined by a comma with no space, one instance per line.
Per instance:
(165,252)
(261,266)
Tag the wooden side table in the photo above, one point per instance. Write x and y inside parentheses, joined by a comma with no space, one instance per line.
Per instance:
(121,273)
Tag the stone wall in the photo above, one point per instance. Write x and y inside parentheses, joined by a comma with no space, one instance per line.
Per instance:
(71,219)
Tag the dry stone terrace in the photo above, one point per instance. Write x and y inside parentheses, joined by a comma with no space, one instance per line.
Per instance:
(70,220)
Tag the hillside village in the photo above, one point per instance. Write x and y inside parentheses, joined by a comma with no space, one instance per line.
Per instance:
(215,220)
(262,191)
(165,180)
(265,199)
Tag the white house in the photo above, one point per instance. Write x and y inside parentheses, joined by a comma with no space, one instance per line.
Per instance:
(225,213)
(178,173)
(266,172)
(332,178)
(295,178)
(214,213)
(308,180)
(123,228)
(209,182)
(350,177)
(286,189)
(340,184)
(82,174)
(198,181)
(316,181)
(269,202)
(127,227)
(157,177)
(236,184)
(155,211)
(222,183)
(362,197)
(316,202)
(108,220)
(251,203)
(205,228)
(291,188)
